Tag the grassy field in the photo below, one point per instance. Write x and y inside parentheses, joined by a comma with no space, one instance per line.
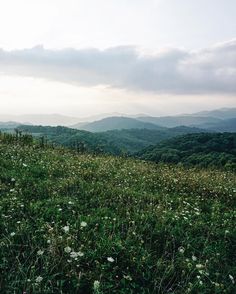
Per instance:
(97,224)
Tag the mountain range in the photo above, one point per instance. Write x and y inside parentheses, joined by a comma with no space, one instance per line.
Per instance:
(217,120)
(220,120)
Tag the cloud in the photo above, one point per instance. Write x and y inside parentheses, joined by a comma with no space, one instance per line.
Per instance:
(211,70)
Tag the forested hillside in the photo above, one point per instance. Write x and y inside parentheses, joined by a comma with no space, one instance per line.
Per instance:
(116,142)
(203,150)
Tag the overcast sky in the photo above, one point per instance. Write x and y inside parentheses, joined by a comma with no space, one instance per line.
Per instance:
(83,57)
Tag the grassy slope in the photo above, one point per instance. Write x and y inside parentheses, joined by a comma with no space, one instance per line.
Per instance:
(152,219)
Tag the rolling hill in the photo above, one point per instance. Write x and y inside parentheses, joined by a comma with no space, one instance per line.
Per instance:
(126,141)
(73,138)
(115,123)
(133,140)
(203,150)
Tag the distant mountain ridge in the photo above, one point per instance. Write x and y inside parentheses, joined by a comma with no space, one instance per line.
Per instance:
(222,113)
(115,123)
(174,121)
(210,120)
(227,125)
(8,125)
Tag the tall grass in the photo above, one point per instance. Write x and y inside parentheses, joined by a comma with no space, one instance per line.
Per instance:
(97,224)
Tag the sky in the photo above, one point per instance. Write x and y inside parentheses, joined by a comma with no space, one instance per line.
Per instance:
(84,57)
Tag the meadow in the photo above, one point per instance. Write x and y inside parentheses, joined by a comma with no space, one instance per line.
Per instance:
(81,223)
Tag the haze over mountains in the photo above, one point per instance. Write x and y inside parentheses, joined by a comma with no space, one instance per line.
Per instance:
(115,123)
(40,119)
(223,113)
(222,120)
(57,119)
(216,120)
(121,134)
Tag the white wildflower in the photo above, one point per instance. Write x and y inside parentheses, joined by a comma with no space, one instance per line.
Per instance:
(217,284)
(66,229)
(127,277)
(194,258)
(40,252)
(38,279)
(181,250)
(110,259)
(83,224)
(96,285)
(73,254)
(12,234)
(231,278)
(67,249)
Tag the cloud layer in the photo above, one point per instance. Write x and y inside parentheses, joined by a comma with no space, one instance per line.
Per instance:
(211,70)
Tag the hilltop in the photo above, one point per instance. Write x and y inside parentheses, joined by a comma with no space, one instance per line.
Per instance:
(115,123)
